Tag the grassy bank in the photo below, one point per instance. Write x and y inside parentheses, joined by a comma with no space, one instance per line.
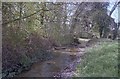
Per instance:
(99,61)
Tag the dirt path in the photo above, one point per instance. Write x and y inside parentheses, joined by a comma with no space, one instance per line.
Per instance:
(63,65)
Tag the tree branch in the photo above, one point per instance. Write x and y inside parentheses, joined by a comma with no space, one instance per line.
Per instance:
(114,7)
(4,23)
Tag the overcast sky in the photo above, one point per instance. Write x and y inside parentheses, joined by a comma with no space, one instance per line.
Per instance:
(115,13)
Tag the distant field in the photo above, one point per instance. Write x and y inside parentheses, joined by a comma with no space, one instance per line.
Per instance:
(100,61)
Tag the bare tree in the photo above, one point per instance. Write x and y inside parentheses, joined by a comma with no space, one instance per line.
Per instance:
(114,7)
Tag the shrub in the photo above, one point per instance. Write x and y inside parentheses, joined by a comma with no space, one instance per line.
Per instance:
(19,54)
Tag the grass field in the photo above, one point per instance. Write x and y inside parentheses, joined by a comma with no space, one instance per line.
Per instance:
(99,61)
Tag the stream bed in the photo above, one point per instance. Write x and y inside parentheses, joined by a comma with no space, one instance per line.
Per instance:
(63,65)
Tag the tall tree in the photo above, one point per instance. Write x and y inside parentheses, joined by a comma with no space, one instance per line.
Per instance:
(116,27)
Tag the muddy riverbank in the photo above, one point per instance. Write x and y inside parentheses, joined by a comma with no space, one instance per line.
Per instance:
(63,65)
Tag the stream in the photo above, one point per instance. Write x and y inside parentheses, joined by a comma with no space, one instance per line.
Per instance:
(63,65)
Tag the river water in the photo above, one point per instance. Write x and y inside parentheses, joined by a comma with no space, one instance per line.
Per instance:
(63,65)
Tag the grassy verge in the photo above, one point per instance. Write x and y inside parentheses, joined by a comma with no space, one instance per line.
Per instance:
(100,61)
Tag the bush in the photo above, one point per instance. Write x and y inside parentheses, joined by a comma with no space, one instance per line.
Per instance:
(19,53)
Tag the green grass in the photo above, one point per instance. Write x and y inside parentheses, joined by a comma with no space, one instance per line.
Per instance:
(99,61)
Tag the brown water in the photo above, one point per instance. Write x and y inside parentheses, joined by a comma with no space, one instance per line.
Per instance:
(63,65)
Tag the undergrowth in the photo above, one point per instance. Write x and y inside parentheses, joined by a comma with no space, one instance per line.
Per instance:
(100,61)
